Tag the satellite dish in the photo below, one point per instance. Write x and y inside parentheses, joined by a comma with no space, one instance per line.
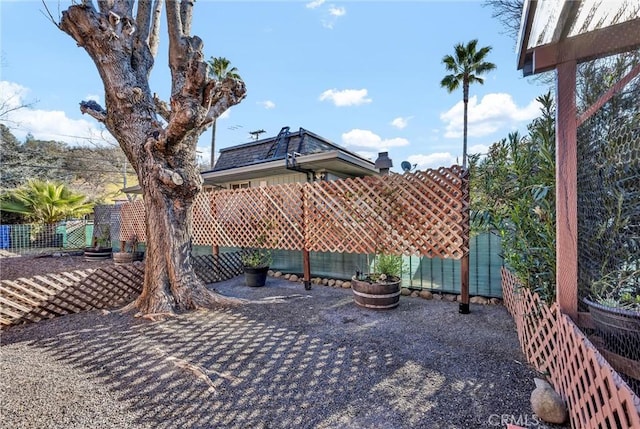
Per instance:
(406,166)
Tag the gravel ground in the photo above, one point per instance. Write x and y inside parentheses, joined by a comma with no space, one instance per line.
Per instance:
(12,267)
(314,360)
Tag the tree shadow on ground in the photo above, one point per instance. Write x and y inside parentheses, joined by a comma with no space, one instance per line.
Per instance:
(312,362)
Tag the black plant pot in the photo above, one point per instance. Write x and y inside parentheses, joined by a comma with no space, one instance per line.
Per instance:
(618,328)
(255,276)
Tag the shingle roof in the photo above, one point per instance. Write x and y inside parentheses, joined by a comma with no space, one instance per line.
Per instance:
(273,148)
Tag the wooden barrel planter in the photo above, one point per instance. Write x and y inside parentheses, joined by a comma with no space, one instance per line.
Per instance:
(97,253)
(121,258)
(379,296)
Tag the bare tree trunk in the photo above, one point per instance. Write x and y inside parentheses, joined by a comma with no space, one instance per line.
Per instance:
(164,156)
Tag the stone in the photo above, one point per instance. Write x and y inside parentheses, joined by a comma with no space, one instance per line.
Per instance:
(426,294)
(293,278)
(547,404)
(495,301)
(286,276)
(316,280)
(437,297)
(405,292)
(278,274)
(458,298)
(325,281)
(479,300)
(415,294)
(346,285)
(270,273)
(339,283)
(331,283)
(449,297)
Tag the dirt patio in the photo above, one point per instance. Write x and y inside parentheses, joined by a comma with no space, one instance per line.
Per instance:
(314,361)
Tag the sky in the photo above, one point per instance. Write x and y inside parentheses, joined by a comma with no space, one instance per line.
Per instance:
(362,74)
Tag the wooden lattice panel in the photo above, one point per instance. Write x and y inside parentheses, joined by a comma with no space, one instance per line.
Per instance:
(218,268)
(596,395)
(132,221)
(423,213)
(51,295)
(203,233)
(269,217)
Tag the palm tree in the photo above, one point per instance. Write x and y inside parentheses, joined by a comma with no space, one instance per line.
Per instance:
(465,67)
(219,70)
(45,202)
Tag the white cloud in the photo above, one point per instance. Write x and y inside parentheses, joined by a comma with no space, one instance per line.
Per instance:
(267,104)
(401,122)
(368,139)
(492,113)
(346,97)
(45,124)
(432,160)
(314,4)
(337,11)
(478,148)
(225,114)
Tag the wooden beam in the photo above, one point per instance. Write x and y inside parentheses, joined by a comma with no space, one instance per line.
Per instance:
(307,269)
(600,43)
(464,284)
(566,191)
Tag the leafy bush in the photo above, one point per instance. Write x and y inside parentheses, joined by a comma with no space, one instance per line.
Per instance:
(513,195)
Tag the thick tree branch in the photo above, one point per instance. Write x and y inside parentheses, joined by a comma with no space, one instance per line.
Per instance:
(186,15)
(154,35)
(219,96)
(175,36)
(93,109)
(143,21)
(162,108)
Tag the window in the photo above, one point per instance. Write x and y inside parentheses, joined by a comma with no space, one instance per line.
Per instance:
(243,185)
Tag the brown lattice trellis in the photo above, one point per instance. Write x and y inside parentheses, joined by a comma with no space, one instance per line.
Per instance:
(596,395)
(422,213)
(33,299)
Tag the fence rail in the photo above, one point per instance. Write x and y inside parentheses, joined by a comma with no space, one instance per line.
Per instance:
(596,395)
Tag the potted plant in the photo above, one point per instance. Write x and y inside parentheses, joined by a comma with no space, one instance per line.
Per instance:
(379,289)
(614,305)
(256,266)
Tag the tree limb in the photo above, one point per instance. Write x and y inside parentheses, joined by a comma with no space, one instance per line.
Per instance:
(175,37)
(219,96)
(154,35)
(186,15)
(143,21)
(93,109)
(162,108)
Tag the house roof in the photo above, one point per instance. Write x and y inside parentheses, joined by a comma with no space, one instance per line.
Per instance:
(300,150)
(553,32)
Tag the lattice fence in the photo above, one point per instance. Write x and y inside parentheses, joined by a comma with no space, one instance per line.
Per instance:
(596,395)
(51,295)
(423,213)
(44,297)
